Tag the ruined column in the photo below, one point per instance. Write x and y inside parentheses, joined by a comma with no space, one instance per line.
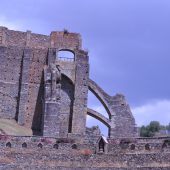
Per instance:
(81,93)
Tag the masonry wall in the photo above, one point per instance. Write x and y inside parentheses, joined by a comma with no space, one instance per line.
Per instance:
(69,154)
(10,72)
(22,57)
(32,79)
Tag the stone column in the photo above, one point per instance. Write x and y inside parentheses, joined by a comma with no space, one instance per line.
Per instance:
(81,93)
(25,65)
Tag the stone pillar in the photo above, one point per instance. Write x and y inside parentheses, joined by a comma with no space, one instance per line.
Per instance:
(112,128)
(81,93)
(122,119)
(23,85)
(52,77)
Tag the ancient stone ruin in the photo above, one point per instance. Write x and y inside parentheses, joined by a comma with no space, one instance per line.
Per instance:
(47,94)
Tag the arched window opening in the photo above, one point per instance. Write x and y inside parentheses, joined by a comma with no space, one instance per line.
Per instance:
(147,147)
(24,145)
(95,127)
(74,146)
(65,55)
(132,147)
(101,146)
(124,144)
(55,146)
(164,145)
(40,145)
(8,145)
(96,105)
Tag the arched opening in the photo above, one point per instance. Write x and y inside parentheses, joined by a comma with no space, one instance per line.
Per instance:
(95,127)
(74,146)
(8,145)
(164,145)
(65,55)
(147,147)
(40,145)
(95,104)
(124,143)
(101,145)
(132,147)
(24,145)
(55,146)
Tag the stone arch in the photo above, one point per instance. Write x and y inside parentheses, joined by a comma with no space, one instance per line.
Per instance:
(74,146)
(8,144)
(40,145)
(99,107)
(55,146)
(24,145)
(100,94)
(147,147)
(99,117)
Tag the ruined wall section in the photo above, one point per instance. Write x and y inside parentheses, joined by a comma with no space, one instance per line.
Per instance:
(10,59)
(15,38)
(123,118)
(39,41)
(24,39)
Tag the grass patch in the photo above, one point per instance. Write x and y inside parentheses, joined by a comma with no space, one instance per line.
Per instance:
(10,127)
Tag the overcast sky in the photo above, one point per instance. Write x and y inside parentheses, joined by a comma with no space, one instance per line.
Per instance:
(128,43)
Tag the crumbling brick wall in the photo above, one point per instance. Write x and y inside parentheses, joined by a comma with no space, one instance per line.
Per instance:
(68,154)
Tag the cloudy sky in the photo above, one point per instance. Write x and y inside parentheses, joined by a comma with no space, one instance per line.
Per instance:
(128,43)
